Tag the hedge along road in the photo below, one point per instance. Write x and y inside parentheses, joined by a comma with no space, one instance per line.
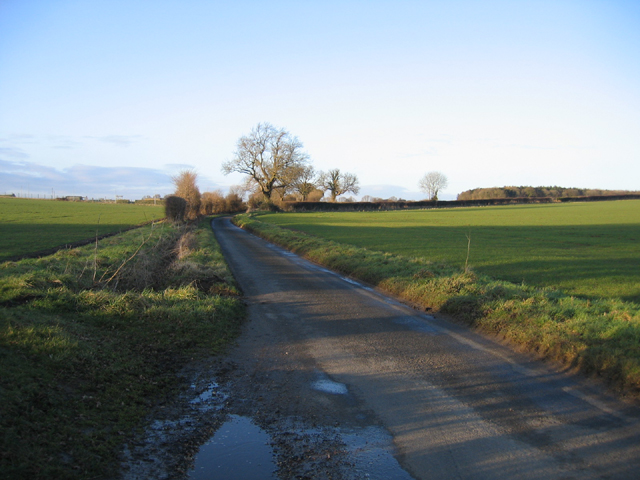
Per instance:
(456,404)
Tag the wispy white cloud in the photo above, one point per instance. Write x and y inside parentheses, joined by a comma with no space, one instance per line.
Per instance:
(178,166)
(13,142)
(12,152)
(62,142)
(21,138)
(119,140)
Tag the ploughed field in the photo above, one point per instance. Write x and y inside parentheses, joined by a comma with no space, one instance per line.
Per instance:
(589,249)
(29,226)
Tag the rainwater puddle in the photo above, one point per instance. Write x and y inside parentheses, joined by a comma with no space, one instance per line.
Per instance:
(326,385)
(238,450)
(329,386)
(370,450)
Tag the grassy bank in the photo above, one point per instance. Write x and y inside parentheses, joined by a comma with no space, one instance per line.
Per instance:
(585,249)
(597,336)
(91,338)
(28,226)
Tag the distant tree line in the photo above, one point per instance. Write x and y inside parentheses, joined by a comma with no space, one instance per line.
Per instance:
(428,204)
(537,192)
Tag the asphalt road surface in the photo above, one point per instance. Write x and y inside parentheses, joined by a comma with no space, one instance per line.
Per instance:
(456,405)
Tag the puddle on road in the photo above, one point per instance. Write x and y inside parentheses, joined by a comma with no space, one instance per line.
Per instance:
(329,386)
(326,385)
(370,450)
(239,450)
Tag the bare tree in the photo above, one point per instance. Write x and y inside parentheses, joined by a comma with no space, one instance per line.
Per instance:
(185,183)
(338,183)
(269,157)
(305,182)
(432,183)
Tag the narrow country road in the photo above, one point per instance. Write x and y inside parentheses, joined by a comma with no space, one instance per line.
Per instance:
(331,352)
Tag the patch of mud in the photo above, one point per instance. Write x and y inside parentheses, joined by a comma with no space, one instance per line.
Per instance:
(195,436)
(166,448)
(209,398)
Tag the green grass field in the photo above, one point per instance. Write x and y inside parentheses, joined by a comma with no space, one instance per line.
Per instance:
(28,226)
(585,249)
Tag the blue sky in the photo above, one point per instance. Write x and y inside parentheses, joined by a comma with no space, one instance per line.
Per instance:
(105,98)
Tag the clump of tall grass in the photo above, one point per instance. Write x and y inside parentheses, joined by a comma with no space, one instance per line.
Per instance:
(599,337)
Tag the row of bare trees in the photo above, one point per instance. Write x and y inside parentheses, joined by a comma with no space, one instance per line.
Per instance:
(276,167)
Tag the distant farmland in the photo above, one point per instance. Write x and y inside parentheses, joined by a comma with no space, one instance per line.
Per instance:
(28,226)
(585,249)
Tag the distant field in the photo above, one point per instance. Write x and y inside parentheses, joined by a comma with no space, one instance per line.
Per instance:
(28,226)
(585,249)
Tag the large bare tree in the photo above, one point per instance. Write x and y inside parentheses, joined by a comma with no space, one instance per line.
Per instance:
(270,157)
(431,184)
(338,183)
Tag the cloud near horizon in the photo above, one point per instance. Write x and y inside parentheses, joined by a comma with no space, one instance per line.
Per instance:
(85,180)
(13,152)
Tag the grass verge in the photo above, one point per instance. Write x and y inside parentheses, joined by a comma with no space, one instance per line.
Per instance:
(91,338)
(587,249)
(600,337)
